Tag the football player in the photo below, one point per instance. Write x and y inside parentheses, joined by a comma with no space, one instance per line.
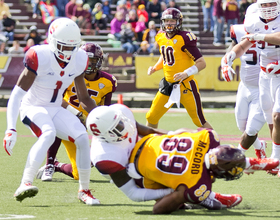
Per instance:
(248,113)
(181,60)
(185,162)
(49,70)
(100,86)
(264,29)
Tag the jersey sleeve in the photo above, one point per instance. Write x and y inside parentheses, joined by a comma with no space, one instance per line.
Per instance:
(31,60)
(190,46)
(108,167)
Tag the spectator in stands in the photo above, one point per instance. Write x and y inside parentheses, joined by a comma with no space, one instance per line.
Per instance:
(16,48)
(3,40)
(48,10)
(82,17)
(69,8)
(207,9)
(163,6)
(231,17)
(98,18)
(218,17)
(34,35)
(149,35)
(4,7)
(8,26)
(121,7)
(141,11)
(132,19)
(242,9)
(143,49)
(173,4)
(107,11)
(36,8)
(154,10)
(137,3)
(29,43)
(128,38)
(140,28)
(116,24)
(92,3)
(61,4)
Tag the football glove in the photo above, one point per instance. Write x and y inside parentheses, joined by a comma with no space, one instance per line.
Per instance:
(254,37)
(226,64)
(273,68)
(9,141)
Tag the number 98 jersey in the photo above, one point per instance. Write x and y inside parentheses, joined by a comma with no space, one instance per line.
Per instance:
(179,53)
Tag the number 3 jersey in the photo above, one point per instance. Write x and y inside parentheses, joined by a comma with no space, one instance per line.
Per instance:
(173,160)
(51,79)
(179,53)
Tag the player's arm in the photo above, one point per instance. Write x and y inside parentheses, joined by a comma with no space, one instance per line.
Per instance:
(144,130)
(171,202)
(85,101)
(273,38)
(24,82)
(157,66)
(127,185)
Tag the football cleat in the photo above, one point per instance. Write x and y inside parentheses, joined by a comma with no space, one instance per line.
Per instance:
(261,152)
(261,164)
(228,200)
(274,171)
(86,197)
(48,173)
(24,191)
(40,172)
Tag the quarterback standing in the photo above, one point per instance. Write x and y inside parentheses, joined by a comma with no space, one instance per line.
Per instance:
(180,59)
(49,70)
(100,86)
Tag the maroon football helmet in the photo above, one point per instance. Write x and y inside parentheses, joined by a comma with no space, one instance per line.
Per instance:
(171,13)
(226,161)
(95,54)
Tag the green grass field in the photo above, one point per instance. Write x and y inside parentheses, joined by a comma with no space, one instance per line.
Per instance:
(58,199)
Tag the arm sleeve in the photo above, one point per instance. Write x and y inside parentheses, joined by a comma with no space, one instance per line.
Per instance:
(13,107)
(139,195)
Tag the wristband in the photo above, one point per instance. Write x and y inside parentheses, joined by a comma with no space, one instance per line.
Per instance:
(72,110)
(191,71)
(259,37)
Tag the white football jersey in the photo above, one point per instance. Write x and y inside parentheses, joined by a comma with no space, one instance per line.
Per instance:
(250,66)
(118,152)
(269,52)
(51,80)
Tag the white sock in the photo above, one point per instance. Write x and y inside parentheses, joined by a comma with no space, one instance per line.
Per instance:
(30,171)
(257,144)
(84,175)
(275,151)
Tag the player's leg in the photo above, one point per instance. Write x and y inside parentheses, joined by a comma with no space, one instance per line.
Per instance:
(190,99)
(70,128)
(276,126)
(39,121)
(46,172)
(71,152)
(157,110)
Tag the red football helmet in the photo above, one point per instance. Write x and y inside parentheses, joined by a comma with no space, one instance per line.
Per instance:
(95,54)
(226,161)
(171,13)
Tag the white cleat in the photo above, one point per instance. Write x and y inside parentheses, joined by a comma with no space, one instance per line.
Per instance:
(48,173)
(261,152)
(25,191)
(40,172)
(86,197)
(261,164)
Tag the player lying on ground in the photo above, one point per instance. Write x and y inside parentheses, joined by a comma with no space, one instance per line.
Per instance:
(185,162)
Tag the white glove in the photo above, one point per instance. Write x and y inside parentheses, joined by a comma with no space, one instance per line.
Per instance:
(226,64)
(273,68)
(9,141)
(254,37)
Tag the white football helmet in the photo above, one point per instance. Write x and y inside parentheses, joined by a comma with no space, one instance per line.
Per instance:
(109,125)
(269,12)
(64,32)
